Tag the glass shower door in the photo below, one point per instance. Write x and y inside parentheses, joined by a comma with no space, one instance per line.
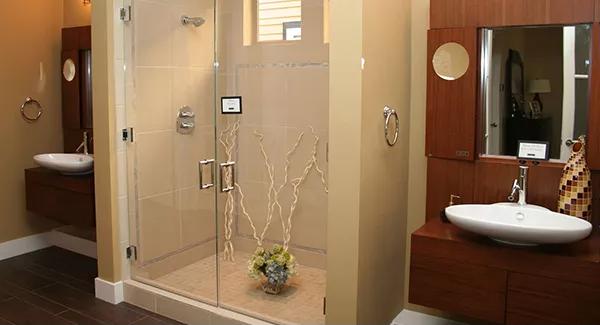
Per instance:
(229,101)
(272,119)
(169,54)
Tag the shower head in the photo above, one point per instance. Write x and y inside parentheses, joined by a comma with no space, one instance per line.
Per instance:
(196,21)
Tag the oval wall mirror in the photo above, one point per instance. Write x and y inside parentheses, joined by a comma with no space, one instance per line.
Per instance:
(451,61)
(69,70)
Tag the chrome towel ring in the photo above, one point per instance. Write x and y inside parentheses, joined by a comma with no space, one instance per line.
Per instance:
(388,112)
(38,106)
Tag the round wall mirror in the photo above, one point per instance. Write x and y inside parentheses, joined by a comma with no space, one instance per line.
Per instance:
(69,70)
(451,61)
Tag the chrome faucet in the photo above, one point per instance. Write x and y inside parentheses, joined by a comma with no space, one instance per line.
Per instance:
(84,144)
(520,186)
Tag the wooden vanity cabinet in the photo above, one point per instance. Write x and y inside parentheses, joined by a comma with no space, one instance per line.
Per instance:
(469,275)
(466,289)
(539,300)
(67,199)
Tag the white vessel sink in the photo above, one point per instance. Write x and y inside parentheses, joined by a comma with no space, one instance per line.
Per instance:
(516,205)
(65,163)
(519,225)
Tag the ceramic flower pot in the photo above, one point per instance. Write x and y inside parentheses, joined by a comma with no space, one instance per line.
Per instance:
(272,289)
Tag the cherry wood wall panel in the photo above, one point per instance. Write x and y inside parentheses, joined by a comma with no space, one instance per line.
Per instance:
(77,94)
(484,13)
(448,177)
(76,38)
(596,199)
(525,12)
(570,11)
(494,179)
(452,104)
(490,13)
(71,114)
(73,138)
(447,13)
(490,181)
(593,149)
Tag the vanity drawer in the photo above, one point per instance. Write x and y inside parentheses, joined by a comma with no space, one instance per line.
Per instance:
(67,199)
(538,300)
(469,290)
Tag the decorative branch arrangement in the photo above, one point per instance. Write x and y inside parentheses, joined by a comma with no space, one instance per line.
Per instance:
(228,139)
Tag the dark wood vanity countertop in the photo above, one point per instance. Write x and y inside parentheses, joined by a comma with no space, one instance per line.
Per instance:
(577,262)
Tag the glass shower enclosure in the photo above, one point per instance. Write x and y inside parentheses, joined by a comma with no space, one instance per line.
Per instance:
(229,101)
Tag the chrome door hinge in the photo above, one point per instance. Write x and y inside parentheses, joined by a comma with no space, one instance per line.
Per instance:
(131,253)
(125,14)
(127,135)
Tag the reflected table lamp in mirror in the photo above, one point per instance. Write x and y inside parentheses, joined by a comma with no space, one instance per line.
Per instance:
(537,87)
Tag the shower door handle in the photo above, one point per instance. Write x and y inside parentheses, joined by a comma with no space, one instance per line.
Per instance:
(201,165)
(227,184)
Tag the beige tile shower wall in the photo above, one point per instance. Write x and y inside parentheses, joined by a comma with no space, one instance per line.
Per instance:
(285,89)
(30,66)
(171,67)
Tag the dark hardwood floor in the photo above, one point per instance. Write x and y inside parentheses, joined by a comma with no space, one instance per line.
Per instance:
(55,287)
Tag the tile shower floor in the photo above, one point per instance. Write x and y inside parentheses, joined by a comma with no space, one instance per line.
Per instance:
(300,303)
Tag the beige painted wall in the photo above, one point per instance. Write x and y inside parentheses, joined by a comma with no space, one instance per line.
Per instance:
(417,179)
(29,66)
(345,133)
(75,13)
(386,81)
(367,218)
(107,224)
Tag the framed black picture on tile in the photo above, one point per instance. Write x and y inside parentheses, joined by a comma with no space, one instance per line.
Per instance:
(231,105)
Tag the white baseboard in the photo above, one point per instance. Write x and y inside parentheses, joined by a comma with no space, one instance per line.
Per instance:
(409,317)
(24,245)
(108,291)
(36,242)
(73,243)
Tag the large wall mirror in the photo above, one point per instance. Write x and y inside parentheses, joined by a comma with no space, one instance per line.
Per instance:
(535,86)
